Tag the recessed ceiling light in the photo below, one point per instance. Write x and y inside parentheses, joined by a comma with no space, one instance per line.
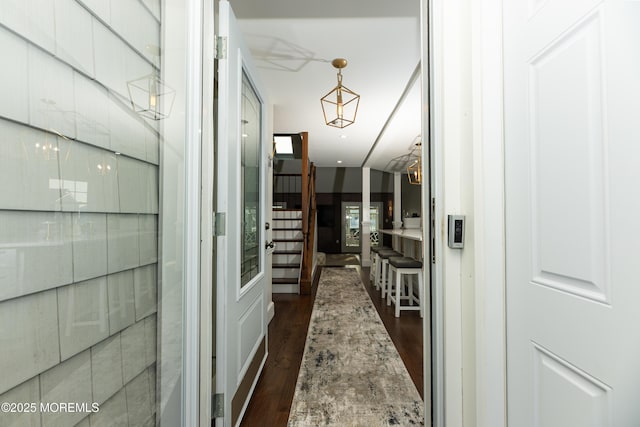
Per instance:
(339,161)
(343,136)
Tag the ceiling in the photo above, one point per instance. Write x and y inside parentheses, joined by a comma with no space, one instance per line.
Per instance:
(293,43)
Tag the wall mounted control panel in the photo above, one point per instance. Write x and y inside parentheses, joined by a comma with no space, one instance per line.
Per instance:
(456,231)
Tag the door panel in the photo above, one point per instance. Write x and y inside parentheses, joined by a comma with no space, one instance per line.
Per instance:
(577,147)
(558,385)
(571,212)
(241,196)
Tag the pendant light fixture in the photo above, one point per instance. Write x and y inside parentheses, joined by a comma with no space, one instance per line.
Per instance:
(340,105)
(414,170)
(150,96)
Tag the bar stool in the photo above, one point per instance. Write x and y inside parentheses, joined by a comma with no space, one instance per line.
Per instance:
(381,271)
(374,263)
(399,267)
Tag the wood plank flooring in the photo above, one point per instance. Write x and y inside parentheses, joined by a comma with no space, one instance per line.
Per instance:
(273,395)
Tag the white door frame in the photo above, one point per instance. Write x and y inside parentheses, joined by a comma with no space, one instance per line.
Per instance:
(489,213)
(207,274)
(485,105)
(194,102)
(465,59)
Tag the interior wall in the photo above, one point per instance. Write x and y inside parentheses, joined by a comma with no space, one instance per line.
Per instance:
(330,217)
(78,211)
(411,198)
(338,179)
(335,185)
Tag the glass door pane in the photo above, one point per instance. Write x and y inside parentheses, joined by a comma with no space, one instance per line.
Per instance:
(250,158)
(351,223)
(375,215)
(351,228)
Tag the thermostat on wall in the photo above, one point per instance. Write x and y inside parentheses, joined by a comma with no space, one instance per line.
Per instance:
(456,231)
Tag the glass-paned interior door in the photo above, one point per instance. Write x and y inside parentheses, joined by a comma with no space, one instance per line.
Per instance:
(352,227)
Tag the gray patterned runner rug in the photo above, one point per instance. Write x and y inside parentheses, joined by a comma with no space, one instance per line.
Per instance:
(351,373)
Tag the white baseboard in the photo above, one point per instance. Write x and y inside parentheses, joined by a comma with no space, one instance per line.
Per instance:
(271,311)
(285,289)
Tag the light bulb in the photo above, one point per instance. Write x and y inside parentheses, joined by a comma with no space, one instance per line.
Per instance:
(153,94)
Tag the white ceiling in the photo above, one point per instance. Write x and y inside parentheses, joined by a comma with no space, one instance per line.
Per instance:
(293,43)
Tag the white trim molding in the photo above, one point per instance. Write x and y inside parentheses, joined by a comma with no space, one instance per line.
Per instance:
(468,178)
(488,166)
(191,309)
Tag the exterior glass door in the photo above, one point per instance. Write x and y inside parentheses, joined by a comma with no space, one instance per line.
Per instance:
(241,276)
(352,227)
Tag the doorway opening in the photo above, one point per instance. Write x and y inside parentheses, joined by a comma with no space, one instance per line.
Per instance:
(350,224)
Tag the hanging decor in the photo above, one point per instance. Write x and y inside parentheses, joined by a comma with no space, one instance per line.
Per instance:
(340,105)
(414,170)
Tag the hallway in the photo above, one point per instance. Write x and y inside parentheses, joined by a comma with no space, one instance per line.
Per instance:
(271,400)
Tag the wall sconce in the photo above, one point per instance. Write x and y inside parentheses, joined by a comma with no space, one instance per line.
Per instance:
(340,105)
(414,170)
(150,97)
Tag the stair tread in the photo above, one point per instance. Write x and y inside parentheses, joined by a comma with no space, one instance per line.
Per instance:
(287,229)
(286,265)
(288,240)
(291,252)
(284,280)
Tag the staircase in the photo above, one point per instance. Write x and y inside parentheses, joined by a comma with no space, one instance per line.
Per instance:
(287,256)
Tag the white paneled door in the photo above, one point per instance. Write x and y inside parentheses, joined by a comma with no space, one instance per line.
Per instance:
(572,153)
(241,198)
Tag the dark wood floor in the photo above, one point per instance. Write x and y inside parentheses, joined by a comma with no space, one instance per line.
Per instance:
(273,395)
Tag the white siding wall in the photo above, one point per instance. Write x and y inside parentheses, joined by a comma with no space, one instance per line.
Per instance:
(78,210)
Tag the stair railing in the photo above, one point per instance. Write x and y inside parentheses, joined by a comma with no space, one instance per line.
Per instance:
(308,218)
(308,232)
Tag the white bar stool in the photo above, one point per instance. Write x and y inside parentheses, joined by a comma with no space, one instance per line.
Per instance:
(381,271)
(399,267)
(375,263)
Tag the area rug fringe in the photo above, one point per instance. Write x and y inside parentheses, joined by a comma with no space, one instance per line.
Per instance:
(351,373)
